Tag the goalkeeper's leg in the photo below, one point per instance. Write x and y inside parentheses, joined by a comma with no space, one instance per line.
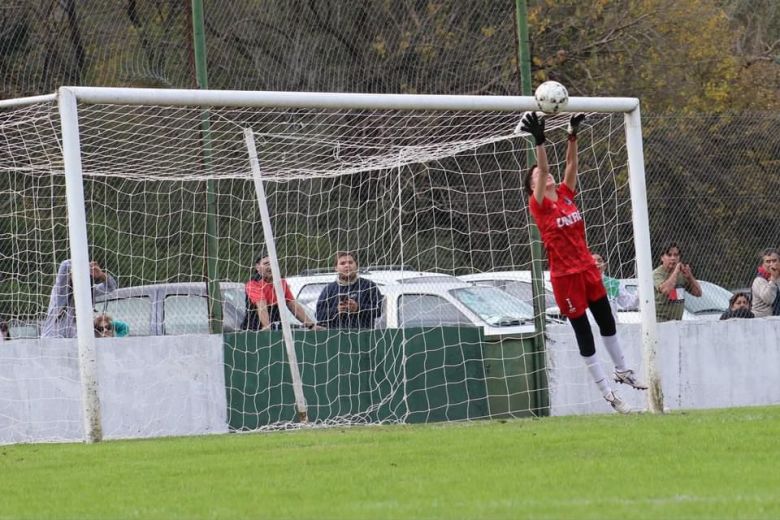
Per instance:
(602,313)
(587,346)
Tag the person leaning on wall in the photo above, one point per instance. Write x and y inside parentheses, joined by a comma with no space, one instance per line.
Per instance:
(739,307)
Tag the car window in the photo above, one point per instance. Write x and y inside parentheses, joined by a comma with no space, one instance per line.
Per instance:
(428,310)
(185,314)
(309,294)
(523,291)
(714,298)
(233,308)
(23,330)
(135,311)
(494,306)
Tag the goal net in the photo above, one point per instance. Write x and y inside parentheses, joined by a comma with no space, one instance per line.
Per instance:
(429,202)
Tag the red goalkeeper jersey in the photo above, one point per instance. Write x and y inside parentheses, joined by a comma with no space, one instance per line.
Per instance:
(563,233)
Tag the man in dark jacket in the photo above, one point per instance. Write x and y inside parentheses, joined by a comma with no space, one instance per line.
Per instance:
(350,302)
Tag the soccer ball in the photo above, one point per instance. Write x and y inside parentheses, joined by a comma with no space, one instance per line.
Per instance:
(551,97)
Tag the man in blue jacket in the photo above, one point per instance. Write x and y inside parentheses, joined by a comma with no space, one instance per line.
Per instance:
(350,302)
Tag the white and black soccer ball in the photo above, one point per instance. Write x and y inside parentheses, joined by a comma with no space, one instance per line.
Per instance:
(551,97)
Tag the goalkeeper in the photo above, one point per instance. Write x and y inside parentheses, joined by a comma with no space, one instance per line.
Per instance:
(576,281)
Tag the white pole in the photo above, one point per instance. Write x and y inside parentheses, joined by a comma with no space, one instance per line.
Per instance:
(289,344)
(404,379)
(32,100)
(79,253)
(331,100)
(644,261)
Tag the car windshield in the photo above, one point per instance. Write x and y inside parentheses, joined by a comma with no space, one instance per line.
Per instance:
(521,290)
(494,306)
(714,298)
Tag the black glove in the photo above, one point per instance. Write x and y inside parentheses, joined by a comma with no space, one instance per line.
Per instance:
(534,126)
(574,123)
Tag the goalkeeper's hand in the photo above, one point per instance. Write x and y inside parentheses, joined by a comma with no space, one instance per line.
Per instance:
(534,126)
(574,124)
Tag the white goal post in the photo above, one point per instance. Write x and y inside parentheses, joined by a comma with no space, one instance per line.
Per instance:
(91,114)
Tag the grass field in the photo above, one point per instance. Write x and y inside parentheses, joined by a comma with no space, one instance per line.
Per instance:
(703,464)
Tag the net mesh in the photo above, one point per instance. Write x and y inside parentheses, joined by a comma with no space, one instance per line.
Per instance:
(419,197)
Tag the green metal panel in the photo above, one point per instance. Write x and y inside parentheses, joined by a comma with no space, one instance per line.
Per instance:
(414,375)
(510,377)
(445,375)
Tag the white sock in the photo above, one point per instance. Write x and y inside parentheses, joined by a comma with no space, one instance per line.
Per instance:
(612,344)
(597,373)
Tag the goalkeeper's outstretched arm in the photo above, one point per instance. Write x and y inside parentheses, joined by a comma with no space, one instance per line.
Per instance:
(570,174)
(532,124)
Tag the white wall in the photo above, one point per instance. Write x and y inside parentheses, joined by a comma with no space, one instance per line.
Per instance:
(159,386)
(702,364)
(149,387)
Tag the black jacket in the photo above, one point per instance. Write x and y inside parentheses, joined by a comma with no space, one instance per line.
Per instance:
(363,291)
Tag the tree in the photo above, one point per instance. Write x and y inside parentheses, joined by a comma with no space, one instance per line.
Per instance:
(674,56)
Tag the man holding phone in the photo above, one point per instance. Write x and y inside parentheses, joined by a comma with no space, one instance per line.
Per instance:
(672,280)
(350,302)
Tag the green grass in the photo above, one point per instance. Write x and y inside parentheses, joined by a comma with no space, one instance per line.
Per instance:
(703,464)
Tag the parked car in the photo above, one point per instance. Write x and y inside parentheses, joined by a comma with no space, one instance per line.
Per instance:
(172,308)
(307,286)
(454,304)
(518,284)
(426,299)
(713,302)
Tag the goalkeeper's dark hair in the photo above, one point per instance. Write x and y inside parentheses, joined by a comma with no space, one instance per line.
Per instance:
(529,190)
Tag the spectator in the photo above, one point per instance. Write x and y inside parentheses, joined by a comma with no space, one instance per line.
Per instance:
(671,280)
(60,319)
(576,281)
(263,310)
(350,302)
(766,301)
(107,327)
(619,297)
(739,307)
(5,333)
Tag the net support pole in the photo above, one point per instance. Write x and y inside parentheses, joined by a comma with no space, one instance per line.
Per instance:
(79,254)
(644,261)
(265,217)
(212,244)
(541,406)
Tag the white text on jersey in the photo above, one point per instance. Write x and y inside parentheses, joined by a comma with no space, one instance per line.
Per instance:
(568,220)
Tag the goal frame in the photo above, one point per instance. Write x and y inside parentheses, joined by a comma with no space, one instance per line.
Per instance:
(68,99)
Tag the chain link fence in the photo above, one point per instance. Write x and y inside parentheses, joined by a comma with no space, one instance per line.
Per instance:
(712,180)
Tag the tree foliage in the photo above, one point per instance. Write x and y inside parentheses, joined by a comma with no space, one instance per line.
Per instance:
(711,174)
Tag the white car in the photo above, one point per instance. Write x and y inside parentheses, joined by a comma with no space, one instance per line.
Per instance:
(713,302)
(454,304)
(307,287)
(518,284)
(426,299)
